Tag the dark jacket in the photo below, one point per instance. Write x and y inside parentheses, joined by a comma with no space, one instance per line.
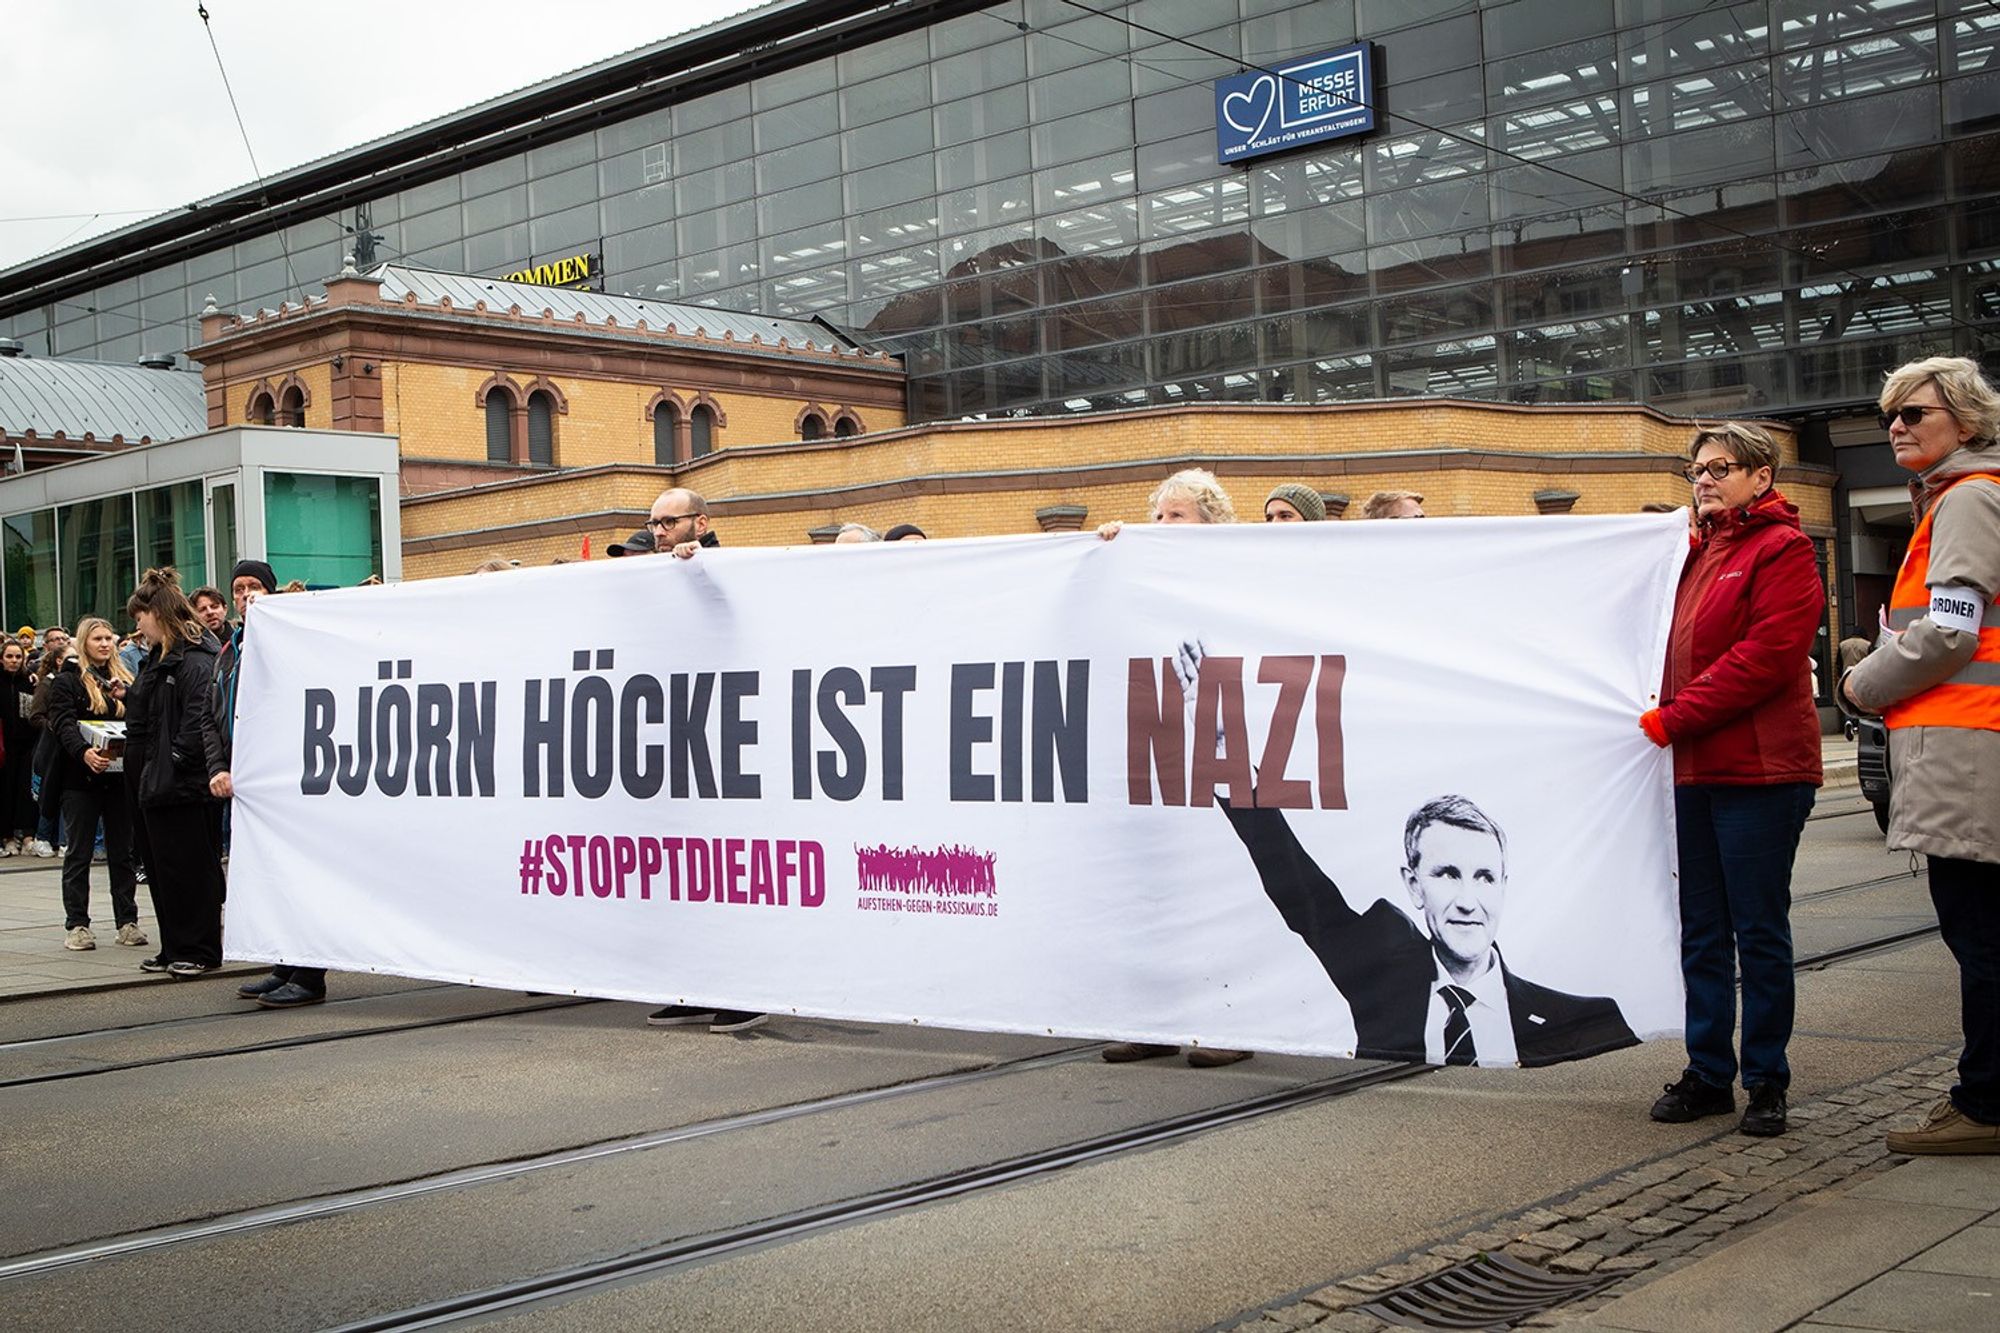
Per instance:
(68,705)
(1385,967)
(167,716)
(221,735)
(1737,698)
(17,733)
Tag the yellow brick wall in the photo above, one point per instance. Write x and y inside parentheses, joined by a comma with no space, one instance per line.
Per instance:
(318,379)
(392,400)
(431,409)
(1167,435)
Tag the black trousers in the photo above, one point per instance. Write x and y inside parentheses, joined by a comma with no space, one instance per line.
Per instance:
(1967,896)
(82,806)
(184,873)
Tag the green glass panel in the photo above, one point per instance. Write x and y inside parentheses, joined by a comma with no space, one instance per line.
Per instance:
(30,562)
(325,530)
(95,550)
(172,532)
(223,507)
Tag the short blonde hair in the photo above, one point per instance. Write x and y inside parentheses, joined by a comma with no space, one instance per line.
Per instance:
(1752,446)
(1199,485)
(1960,386)
(1382,502)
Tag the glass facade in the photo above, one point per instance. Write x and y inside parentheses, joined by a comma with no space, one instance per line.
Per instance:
(324,530)
(172,531)
(95,554)
(83,559)
(222,516)
(1757,206)
(30,564)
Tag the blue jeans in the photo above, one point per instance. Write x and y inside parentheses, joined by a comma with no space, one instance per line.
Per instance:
(1967,895)
(1737,845)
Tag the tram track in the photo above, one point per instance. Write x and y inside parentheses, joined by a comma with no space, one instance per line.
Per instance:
(194,1020)
(329,1205)
(285,1043)
(1858,886)
(387,1029)
(654,1260)
(657,1259)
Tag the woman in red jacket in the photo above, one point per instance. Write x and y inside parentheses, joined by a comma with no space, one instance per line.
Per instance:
(1737,707)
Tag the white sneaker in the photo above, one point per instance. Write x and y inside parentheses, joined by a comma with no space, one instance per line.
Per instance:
(131,936)
(6,849)
(79,938)
(41,848)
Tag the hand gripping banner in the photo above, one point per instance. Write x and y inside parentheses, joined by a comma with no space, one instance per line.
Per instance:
(1324,789)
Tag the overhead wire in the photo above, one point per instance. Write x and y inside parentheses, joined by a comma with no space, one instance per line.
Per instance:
(291,277)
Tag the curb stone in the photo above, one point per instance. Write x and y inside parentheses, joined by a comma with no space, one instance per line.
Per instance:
(1652,1219)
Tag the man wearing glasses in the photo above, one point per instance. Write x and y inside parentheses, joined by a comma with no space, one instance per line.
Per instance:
(678,523)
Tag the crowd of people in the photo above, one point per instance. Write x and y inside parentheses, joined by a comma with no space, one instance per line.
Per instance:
(119,751)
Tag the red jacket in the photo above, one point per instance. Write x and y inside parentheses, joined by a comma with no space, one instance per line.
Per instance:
(1737,698)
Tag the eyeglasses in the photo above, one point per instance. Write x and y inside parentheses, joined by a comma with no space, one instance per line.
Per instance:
(1716,469)
(667,521)
(1910,415)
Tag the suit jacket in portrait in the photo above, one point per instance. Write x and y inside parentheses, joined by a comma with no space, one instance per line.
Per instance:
(1387,970)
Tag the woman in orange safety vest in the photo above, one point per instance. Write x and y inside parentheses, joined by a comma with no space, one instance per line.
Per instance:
(1935,679)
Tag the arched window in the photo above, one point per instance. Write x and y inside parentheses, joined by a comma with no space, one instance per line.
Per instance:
(701,431)
(499,428)
(812,426)
(541,428)
(263,411)
(846,426)
(663,436)
(292,410)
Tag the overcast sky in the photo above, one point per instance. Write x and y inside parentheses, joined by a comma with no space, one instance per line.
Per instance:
(117,109)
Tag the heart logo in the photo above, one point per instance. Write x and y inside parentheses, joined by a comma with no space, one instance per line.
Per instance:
(1254,103)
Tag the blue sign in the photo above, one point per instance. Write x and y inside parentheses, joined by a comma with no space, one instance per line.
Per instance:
(1327,96)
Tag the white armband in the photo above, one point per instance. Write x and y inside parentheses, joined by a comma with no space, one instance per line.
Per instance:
(1957,608)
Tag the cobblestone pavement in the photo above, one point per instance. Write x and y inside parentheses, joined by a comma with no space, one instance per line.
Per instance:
(1657,1217)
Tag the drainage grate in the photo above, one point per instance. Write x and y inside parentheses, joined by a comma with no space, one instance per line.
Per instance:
(1489,1292)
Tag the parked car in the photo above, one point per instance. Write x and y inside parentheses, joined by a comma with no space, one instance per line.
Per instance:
(1871,751)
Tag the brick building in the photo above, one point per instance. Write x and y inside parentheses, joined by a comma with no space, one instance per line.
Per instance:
(482,378)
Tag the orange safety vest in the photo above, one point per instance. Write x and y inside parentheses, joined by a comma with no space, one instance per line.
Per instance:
(1970,698)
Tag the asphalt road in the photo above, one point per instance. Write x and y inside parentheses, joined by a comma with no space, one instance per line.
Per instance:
(133,1116)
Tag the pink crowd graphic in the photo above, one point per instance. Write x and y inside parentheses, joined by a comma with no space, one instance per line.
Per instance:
(948,871)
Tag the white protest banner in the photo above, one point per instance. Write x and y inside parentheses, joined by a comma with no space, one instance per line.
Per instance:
(1403,803)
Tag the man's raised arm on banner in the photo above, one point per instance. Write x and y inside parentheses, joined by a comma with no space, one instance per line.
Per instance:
(1305,896)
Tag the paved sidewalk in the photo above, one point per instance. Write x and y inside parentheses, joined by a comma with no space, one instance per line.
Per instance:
(32,957)
(1914,1249)
(1743,1235)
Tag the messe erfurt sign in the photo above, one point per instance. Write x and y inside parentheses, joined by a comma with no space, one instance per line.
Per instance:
(1298,102)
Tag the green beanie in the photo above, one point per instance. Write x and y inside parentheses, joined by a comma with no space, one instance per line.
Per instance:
(1302,498)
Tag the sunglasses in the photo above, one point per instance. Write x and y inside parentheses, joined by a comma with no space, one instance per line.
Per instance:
(1910,416)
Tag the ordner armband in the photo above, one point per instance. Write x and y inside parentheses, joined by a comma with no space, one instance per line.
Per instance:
(1957,608)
